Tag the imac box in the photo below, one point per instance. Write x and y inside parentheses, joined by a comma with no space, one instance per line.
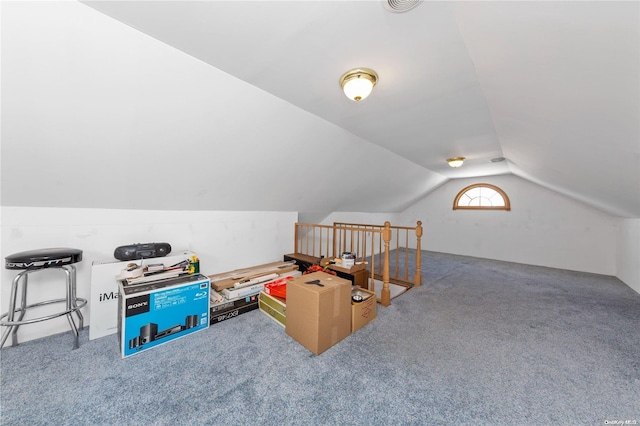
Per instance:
(158,312)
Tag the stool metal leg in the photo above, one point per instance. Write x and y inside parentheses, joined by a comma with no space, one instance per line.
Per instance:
(74,297)
(12,310)
(23,307)
(70,305)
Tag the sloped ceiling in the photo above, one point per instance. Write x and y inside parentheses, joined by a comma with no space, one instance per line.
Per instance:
(235,105)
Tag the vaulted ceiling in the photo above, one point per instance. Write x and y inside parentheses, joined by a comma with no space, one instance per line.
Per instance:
(235,105)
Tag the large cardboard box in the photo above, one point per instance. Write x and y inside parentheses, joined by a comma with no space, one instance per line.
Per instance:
(318,316)
(103,312)
(158,312)
(274,307)
(362,313)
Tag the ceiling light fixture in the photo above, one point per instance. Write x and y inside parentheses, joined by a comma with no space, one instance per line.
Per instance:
(455,161)
(358,83)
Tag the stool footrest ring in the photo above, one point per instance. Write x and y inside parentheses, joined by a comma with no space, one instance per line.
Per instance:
(80,303)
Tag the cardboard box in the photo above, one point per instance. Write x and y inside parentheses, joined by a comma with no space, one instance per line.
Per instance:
(337,267)
(318,317)
(274,307)
(221,316)
(358,278)
(226,305)
(103,315)
(362,313)
(228,279)
(158,312)
(232,308)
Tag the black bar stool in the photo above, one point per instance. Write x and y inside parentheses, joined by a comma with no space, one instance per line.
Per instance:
(61,259)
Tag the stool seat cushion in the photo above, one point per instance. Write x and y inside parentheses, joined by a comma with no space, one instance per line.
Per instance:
(43,258)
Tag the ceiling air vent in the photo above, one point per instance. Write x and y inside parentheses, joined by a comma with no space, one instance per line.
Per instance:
(399,6)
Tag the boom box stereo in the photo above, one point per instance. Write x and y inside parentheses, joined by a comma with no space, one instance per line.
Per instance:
(142,251)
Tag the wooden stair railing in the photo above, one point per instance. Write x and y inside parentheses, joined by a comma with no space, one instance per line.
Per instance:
(369,242)
(400,239)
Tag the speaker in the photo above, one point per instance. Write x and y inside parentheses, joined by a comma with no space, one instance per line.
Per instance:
(148,333)
(192,321)
(134,343)
(142,251)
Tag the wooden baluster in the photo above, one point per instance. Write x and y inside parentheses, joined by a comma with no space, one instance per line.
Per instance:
(351,244)
(327,243)
(406,253)
(343,241)
(385,296)
(379,249)
(372,275)
(333,246)
(417,279)
(363,253)
(397,250)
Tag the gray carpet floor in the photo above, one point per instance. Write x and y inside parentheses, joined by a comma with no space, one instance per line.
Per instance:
(480,342)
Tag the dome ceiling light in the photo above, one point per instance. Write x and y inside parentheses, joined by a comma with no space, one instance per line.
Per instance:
(455,161)
(358,83)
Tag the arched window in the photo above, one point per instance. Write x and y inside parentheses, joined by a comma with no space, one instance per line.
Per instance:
(481,196)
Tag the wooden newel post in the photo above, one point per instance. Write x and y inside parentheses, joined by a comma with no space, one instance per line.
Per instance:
(417,278)
(385,296)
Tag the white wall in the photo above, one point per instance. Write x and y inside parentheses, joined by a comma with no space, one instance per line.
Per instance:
(628,253)
(359,217)
(223,241)
(543,228)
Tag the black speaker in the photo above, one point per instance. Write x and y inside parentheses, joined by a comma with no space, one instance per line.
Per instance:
(142,251)
(192,321)
(148,333)
(134,343)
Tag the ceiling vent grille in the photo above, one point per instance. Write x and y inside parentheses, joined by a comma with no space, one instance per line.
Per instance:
(399,6)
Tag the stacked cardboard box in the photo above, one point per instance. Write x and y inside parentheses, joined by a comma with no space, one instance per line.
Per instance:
(363,312)
(230,300)
(274,307)
(226,280)
(318,310)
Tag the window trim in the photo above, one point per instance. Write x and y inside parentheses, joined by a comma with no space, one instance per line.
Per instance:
(507,202)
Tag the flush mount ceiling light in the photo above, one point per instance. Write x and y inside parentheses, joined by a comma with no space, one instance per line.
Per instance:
(399,6)
(455,161)
(358,83)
